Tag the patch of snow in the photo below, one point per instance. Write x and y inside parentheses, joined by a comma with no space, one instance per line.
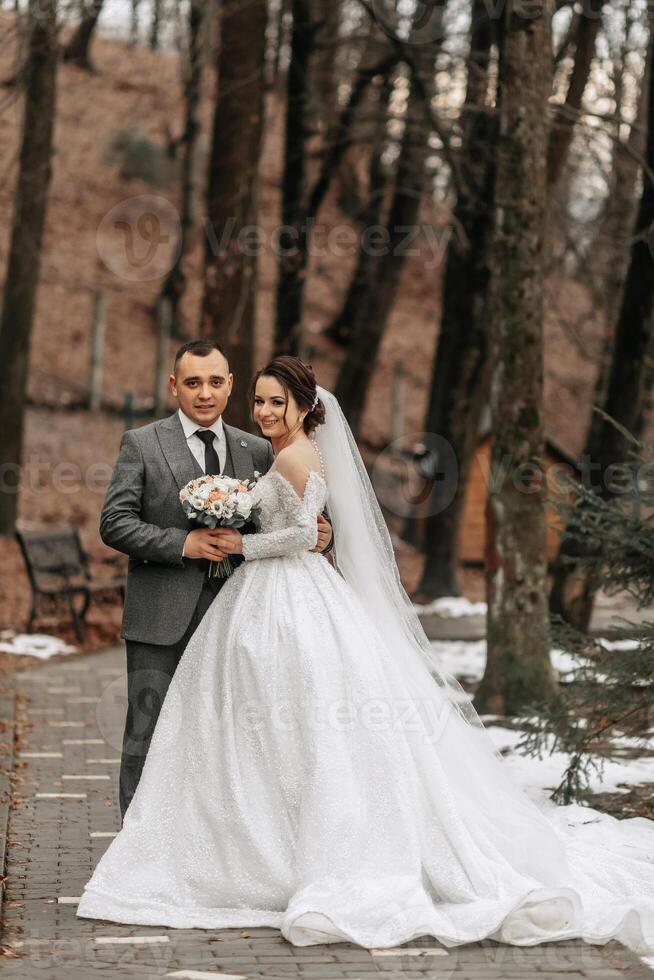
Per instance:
(618,644)
(620,740)
(33,645)
(465,659)
(566,664)
(540,776)
(453,607)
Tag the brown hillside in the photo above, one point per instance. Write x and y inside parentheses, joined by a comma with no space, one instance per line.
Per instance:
(140,90)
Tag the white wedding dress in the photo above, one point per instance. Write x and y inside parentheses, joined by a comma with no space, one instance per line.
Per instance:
(302,776)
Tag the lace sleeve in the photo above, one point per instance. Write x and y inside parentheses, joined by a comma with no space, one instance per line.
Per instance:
(298,536)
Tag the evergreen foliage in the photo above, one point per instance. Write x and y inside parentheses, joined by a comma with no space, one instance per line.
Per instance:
(610,689)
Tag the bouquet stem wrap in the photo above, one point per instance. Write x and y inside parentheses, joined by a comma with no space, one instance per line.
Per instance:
(220,569)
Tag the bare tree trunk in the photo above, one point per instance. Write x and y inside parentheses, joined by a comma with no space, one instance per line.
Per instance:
(230,265)
(613,244)
(341,328)
(377,62)
(518,667)
(589,25)
(134,22)
(459,380)
(293,241)
(155,24)
(34,175)
(77,49)
(175,284)
(383,271)
(629,382)
(323,78)
(275,74)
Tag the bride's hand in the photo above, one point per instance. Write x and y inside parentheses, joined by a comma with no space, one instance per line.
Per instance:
(228,540)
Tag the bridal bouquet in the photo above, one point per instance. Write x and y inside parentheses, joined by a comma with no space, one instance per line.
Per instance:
(220,501)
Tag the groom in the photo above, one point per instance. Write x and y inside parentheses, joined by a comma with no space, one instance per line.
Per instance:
(168,591)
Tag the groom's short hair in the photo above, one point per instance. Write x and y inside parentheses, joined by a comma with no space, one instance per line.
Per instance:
(199,348)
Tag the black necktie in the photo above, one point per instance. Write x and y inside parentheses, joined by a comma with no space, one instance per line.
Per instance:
(211,461)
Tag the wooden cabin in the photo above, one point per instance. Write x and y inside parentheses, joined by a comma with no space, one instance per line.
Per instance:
(473,525)
(389,472)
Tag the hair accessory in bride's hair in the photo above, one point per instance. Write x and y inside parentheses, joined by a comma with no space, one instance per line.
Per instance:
(315,402)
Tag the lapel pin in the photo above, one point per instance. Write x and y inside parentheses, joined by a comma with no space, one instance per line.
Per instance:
(244,444)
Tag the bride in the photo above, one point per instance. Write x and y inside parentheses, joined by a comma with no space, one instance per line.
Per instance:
(312,769)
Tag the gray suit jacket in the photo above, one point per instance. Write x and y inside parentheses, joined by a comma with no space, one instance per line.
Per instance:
(143,518)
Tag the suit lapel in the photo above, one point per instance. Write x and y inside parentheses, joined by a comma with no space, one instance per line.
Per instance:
(228,469)
(182,462)
(238,447)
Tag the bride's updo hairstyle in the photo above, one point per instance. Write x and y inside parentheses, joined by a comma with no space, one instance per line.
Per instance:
(296,378)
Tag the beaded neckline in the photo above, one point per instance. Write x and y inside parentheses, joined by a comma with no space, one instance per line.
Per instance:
(322,463)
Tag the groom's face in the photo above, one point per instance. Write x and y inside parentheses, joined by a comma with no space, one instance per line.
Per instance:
(202,386)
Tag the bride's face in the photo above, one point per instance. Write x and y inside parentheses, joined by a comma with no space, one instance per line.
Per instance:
(275,412)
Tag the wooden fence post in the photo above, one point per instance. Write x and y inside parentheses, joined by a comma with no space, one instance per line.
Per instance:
(396,427)
(128,410)
(98,329)
(164,324)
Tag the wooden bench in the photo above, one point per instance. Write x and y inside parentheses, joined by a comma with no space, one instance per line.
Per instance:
(60,574)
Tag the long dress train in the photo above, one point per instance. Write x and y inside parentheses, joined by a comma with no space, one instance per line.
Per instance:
(300,777)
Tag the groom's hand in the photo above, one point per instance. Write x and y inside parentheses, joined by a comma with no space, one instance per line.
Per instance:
(228,540)
(203,543)
(324,534)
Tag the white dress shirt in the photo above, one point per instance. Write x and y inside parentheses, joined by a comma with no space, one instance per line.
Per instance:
(196,445)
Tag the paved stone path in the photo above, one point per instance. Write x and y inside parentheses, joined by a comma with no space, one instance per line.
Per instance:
(64,813)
